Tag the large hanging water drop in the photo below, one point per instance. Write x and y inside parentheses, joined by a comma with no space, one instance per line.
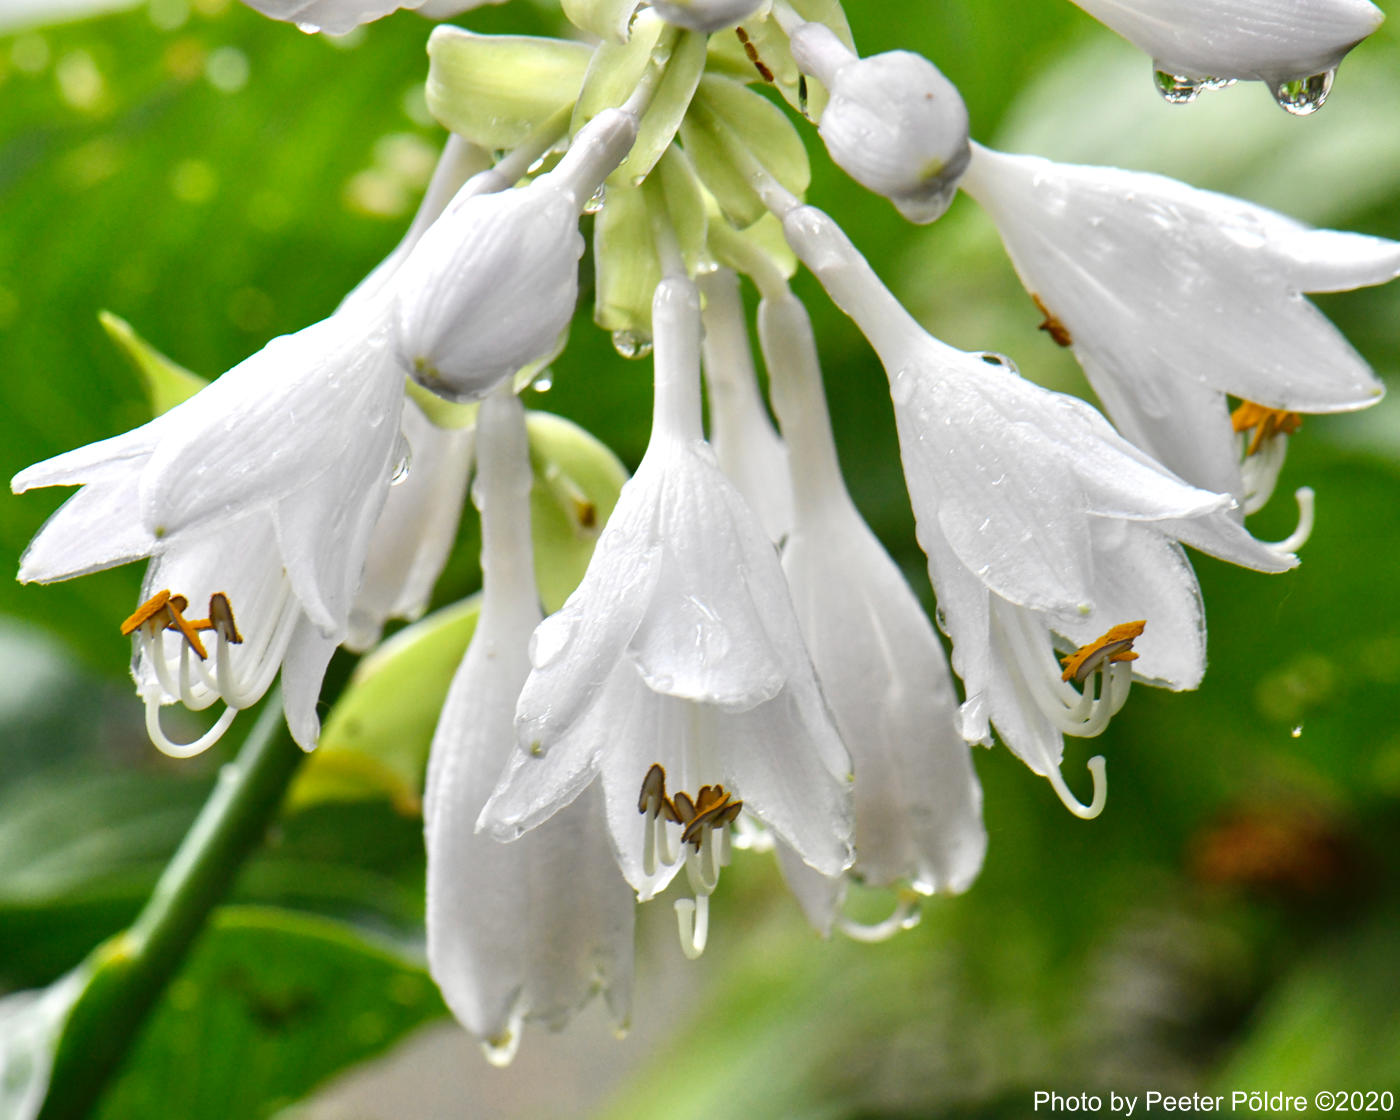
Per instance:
(631,344)
(1176,89)
(596,200)
(1303,96)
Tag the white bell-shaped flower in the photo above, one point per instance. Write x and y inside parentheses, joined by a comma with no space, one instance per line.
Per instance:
(918,806)
(492,284)
(1044,529)
(1294,46)
(257,496)
(678,659)
(1173,297)
(531,929)
(894,123)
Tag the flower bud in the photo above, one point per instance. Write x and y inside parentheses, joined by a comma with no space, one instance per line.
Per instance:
(894,123)
(493,282)
(488,290)
(706,15)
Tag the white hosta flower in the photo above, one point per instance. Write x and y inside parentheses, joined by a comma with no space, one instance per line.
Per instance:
(1173,297)
(416,529)
(1042,526)
(530,929)
(1294,46)
(493,282)
(679,648)
(894,123)
(744,442)
(918,806)
(339,16)
(707,15)
(256,496)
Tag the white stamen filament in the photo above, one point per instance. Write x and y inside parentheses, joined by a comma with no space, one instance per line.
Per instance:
(693,918)
(1260,471)
(1083,714)
(238,679)
(1072,803)
(906,915)
(166,745)
(1299,537)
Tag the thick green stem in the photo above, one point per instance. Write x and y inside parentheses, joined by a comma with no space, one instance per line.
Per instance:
(132,969)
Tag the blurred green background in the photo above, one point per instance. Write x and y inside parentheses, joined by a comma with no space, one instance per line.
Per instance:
(1229,922)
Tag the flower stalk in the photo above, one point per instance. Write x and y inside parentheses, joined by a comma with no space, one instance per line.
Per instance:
(132,969)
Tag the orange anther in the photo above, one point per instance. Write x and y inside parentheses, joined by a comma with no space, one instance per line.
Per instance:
(1116,645)
(1265,422)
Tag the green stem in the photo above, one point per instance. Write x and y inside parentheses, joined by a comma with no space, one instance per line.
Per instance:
(131,970)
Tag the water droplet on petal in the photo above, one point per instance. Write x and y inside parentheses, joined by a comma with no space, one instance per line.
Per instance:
(595,202)
(1302,96)
(403,461)
(1218,83)
(543,382)
(1177,89)
(632,344)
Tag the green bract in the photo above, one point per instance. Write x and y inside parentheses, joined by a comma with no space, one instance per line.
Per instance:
(607,19)
(624,255)
(723,103)
(495,89)
(167,383)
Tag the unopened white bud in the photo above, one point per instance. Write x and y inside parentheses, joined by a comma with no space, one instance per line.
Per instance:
(706,15)
(493,283)
(894,123)
(488,290)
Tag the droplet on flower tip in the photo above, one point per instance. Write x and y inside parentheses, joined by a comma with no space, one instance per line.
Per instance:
(632,344)
(596,200)
(403,463)
(544,382)
(1304,96)
(1177,89)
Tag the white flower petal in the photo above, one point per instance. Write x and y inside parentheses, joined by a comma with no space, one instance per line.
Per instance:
(1268,40)
(98,527)
(416,529)
(303,669)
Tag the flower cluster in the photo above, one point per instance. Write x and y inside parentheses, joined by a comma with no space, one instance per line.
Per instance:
(742,666)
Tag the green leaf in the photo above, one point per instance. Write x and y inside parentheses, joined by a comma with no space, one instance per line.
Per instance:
(759,125)
(167,383)
(607,19)
(269,1005)
(494,90)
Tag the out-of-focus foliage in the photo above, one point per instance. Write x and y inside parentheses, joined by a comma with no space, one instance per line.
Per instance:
(215,178)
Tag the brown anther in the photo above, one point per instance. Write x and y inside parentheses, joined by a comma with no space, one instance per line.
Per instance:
(585,513)
(717,812)
(1116,645)
(1052,326)
(220,618)
(752,51)
(684,806)
(653,799)
(1266,423)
